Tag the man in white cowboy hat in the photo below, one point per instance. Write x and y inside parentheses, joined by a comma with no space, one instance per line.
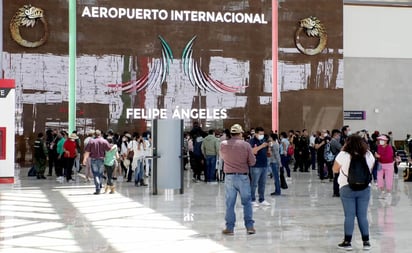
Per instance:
(96,149)
(237,156)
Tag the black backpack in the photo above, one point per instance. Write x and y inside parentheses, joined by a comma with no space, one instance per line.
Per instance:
(359,175)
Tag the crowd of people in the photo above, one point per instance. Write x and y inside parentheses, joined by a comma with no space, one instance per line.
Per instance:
(352,161)
(107,156)
(242,160)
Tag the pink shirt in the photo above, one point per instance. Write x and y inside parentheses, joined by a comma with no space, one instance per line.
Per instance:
(237,155)
(386,154)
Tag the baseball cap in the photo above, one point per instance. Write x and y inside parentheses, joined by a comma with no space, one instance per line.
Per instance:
(383,137)
(236,129)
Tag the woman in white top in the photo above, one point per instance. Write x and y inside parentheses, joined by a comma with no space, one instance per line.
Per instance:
(355,202)
(148,153)
(125,162)
(138,147)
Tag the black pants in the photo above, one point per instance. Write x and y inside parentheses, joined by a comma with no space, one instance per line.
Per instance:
(321,166)
(52,161)
(109,171)
(302,162)
(68,167)
(330,172)
(335,184)
(199,166)
(59,165)
(129,171)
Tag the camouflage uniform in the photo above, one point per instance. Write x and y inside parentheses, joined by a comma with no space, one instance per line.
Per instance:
(40,157)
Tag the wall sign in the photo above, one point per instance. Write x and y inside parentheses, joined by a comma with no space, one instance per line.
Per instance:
(354,115)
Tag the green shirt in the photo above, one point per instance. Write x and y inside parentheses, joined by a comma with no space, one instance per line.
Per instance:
(110,156)
(60,144)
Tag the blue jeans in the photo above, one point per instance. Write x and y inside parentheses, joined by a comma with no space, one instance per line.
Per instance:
(233,185)
(97,166)
(275,173)
(258,175)
(355,204)
(285,159)
(138,171)
(210,168)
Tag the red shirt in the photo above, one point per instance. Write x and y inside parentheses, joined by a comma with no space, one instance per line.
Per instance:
(70,145)
(237,155)
(386,154)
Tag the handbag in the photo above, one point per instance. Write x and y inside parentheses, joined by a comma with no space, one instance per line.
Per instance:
(407,174)
(130,155)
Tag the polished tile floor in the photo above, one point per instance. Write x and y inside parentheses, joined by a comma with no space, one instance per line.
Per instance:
(46,216)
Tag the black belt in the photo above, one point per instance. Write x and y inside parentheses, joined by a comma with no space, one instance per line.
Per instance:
(236,173)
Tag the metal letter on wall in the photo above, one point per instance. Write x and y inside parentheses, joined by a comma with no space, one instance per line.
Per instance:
(167,154)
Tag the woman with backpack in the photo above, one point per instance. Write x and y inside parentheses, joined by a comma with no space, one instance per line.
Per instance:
(354,165)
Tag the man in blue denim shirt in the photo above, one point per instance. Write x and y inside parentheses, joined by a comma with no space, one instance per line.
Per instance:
(258,172)
(237,156)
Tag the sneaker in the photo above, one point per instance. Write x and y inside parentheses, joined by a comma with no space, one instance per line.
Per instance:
(255,204)
(274,194)
(251,231)
(381,196)
(59,178)
(227,232)
(345,245)
(366,245)
(264,203)
(70,181)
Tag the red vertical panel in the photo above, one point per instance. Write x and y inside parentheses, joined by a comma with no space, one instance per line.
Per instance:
(275,104)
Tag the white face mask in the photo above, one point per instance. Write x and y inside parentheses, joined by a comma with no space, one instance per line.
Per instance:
(382,142)
(124,139)
(260,137)
(325,135)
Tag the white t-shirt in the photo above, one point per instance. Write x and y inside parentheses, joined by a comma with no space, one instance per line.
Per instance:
(148,148)
(343,159)
(138,148)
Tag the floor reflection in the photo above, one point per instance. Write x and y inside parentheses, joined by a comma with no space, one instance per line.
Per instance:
(45,216)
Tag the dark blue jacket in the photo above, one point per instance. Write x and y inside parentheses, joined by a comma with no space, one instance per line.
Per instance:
(261,157)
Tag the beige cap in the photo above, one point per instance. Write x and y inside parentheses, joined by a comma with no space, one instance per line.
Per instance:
(73,136)
(236,129)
